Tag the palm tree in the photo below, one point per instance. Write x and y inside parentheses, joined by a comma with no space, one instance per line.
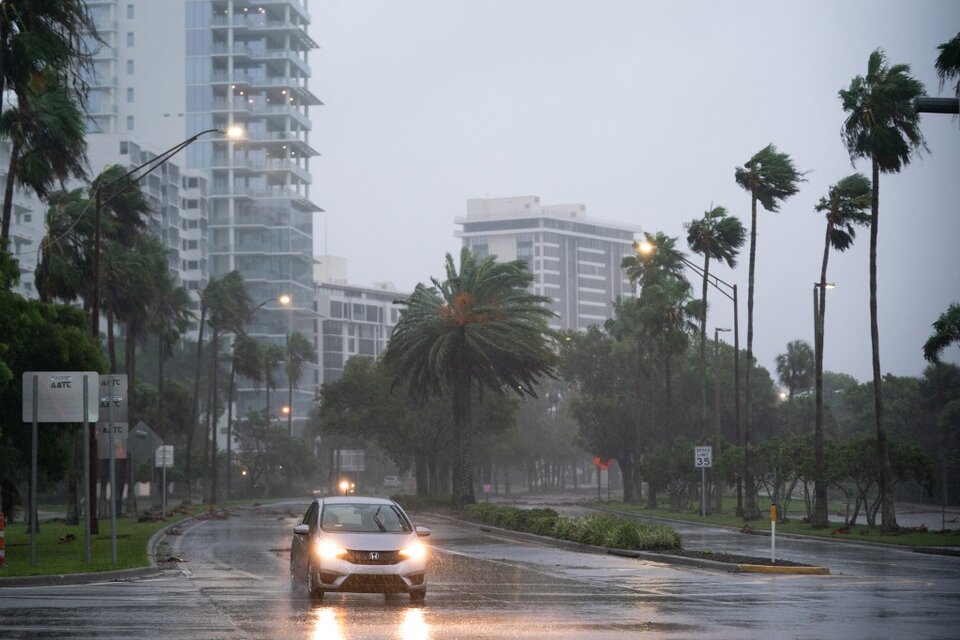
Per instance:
(170,318)
(480,326)
(48,36)
(719,236)
(64,268)
(884,126)
(946,331)
(845,207)
(299,351)
(273,355)
(654,259)
(771,177)
(795,367)
(47,144)
(229,305)
(44,50)
(948,63)
(247,361)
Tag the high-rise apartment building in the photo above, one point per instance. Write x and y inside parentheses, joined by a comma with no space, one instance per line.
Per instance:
(575,260)
(171,69)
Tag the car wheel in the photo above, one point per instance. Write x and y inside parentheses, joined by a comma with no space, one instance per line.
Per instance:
(314,591)
(418,596)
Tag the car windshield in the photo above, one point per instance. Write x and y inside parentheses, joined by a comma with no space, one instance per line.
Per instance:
(364,518)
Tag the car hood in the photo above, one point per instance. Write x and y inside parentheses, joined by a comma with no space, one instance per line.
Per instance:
(369,541)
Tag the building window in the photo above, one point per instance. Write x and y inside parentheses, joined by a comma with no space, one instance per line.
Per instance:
(129,38)
(129,123)
(123,148)
(129,67)
(129,94)
(129,12)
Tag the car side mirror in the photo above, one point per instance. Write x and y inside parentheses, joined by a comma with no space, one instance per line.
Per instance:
(301,529)
(422,532)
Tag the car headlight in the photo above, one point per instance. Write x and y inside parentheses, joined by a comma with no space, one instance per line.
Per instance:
(329,551)
(414,551)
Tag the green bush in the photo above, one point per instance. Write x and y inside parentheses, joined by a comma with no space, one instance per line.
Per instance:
(604,531)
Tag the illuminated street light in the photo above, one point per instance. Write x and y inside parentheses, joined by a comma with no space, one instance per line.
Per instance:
(285,410)
(344,485)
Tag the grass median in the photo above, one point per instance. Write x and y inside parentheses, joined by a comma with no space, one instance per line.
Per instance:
(61,548)
(909,537)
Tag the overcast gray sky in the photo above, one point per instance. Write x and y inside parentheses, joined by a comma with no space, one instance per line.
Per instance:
(641,111)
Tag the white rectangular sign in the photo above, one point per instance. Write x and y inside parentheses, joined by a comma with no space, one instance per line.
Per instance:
(164,456)
(120,435)
(703,457)
(113,387)
(60,396)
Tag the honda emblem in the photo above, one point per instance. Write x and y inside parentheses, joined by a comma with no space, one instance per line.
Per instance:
(374,555)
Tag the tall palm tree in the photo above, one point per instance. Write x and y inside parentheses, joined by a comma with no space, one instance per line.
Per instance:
(170,318)
(45,35)
(845,207)
(719,236)
(45,44)
(882,125)
(795,367)
(299,351)
(771,177)
(273,355)
(654,259)
(47,144)
(247,360)
(480,326)
(229,305)
(948,63)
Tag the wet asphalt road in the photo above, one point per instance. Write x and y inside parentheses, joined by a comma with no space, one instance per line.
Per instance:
(234,584)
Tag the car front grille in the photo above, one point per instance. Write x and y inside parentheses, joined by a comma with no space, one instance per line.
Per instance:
(372,557)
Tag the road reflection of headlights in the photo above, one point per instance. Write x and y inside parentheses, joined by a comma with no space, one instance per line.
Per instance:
(414,551)
(413,626)
(327,625)
(329,551)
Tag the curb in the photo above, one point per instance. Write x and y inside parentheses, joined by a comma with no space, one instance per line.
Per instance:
(762,568)
(651,556)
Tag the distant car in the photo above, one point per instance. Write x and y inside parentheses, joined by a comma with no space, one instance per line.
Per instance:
(391,481)
(359,545)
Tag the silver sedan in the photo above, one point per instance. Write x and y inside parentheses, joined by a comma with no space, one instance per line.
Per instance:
(360,545)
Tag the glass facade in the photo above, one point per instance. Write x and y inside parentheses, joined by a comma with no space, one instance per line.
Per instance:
(246,65)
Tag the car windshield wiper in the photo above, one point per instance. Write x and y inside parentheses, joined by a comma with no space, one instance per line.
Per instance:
(376,518)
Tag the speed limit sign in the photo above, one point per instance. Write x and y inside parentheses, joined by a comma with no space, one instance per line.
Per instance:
(703,457)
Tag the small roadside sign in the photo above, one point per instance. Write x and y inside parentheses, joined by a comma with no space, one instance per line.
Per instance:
(164,456)
(113,390)
(703,457)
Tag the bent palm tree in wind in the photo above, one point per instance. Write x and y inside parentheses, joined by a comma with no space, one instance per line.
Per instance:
(882,125)
(845,207)
(771,177)
(480,326)
(719,236)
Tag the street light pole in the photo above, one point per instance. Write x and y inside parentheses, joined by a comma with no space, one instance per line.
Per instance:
(718,506)
(820,488)
(230,408)
(288,302)
(730,291)
(128,179)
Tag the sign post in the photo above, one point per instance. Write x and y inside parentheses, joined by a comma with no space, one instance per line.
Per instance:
(55,396)
(113,398)
(773,533)
(703,460)
(164,459)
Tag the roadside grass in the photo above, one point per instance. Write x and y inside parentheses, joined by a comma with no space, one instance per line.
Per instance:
(60,547)
(860,533)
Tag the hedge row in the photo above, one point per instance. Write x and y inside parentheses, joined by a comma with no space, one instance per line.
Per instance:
(603,531)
